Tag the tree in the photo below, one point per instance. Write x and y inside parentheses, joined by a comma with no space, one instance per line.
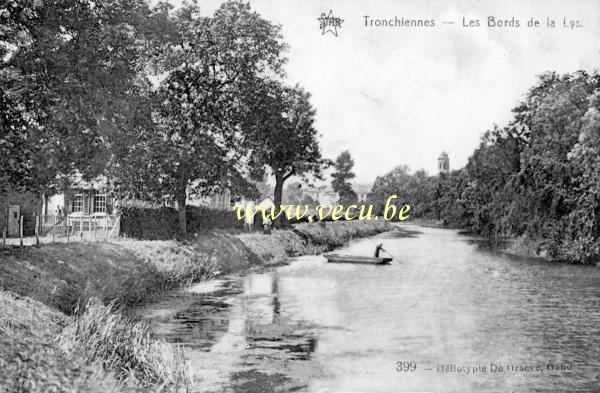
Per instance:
(69,70)
(343,172)
(293,193)
(209,65)
(580,229)
(283,137)
(22,161)
(392,183)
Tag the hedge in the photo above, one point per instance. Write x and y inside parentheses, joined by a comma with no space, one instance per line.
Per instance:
(142,220)
(146,221)
(203,218)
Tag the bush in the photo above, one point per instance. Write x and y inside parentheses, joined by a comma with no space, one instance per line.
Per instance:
(204,218)
(142,220)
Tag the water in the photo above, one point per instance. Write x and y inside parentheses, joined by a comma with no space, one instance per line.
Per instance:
(317,327)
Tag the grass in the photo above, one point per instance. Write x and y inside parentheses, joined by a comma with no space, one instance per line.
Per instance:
(62,275)
(29,360)
(275,248)
(308,239)
(330,235)
(96,350)
(101,334)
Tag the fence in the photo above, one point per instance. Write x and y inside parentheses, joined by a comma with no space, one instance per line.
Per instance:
(49,229)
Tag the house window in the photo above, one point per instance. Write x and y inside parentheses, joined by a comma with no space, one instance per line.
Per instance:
(77,204)
(99,203)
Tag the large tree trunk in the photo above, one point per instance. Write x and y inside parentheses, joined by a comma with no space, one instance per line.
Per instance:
(181,212)
(279,179)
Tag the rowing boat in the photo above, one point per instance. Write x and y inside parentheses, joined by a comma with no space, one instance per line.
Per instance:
(336,258)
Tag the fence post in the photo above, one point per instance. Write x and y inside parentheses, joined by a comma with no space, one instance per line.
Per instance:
(95,229)
(37,231)
(21,231)
(53,227)
(106,228)
(68,227)
(81,227)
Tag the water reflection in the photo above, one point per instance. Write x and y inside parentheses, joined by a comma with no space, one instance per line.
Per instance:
(318,327)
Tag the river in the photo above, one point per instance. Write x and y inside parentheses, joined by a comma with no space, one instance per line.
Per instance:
(464,318)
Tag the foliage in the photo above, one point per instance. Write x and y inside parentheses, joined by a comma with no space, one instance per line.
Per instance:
(207,66)
(166,102)
(282,134)
(201,218)
(343,173)
(535,179)
(293,195)
(70,74)
(144,220)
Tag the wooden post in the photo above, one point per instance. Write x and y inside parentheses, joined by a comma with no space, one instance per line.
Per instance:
(95,228)
(106,228)
(21,231)
(37,231)
(68,227)
(81,226)
(53,227)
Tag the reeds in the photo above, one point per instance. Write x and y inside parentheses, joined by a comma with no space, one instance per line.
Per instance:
(103,335)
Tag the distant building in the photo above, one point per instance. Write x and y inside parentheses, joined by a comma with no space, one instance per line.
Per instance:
(323,194)
(443,163)
(326,196)
(217,200)
(362,191)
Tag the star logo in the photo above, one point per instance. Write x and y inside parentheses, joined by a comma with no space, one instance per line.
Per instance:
(329,23)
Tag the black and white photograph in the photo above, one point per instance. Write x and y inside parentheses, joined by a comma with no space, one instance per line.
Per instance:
(299,196)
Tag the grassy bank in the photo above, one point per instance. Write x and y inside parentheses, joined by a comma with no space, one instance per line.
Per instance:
(62,304)
(307,239)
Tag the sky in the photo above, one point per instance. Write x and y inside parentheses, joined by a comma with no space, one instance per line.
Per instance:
(402,95)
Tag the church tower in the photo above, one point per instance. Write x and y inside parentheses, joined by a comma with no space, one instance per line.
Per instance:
(443,163)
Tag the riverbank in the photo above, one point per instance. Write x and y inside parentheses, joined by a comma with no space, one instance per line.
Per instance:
(67,299)
(521,246)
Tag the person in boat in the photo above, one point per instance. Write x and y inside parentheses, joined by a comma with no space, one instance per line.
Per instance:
(378,249)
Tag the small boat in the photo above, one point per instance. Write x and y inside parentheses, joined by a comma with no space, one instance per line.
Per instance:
(336,258)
